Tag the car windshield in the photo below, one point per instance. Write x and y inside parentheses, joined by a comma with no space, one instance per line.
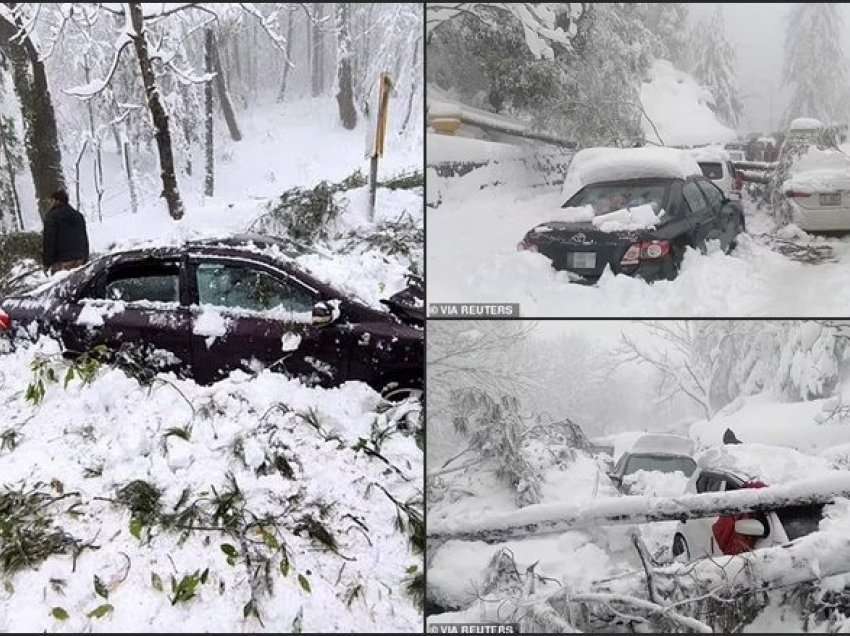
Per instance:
(610,197)
(661,463)
(798,521)
(711,170)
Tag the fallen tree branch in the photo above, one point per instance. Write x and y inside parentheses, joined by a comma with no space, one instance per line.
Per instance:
(538,519)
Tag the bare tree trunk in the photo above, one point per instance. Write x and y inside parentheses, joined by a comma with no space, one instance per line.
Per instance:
(221,86)
(345,95)
(281,96)
(209,180)
(318,61)
(414,84)
(41,137)
(131,179)
(635,509)
(10,170)
(158,114)
(98,153)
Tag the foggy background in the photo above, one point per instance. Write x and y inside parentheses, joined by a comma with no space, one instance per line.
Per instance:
(757,32)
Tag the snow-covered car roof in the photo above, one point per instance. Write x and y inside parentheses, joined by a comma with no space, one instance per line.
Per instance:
(806,123)
(663,443)
(710,154)
(818,170)
(598,165)
(770,464)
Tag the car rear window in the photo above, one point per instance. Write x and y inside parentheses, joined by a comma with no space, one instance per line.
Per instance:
(152,282)
(610,197)
(661,463)
(711,170)
(799,521)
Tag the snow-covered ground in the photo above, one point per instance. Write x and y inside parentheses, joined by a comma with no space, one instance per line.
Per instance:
(472,257)
(84,443)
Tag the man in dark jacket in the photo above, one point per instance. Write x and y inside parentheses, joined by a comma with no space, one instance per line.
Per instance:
(65,241)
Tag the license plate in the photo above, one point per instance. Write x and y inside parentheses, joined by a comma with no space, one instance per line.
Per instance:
(583,260)
(830,199)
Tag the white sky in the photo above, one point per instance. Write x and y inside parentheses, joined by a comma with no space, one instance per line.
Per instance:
(757,31)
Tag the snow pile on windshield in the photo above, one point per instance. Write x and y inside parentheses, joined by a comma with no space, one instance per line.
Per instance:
(819,170)
(598,165)
(710,154)
(282,460)
(770,464)
(679,110)
(641,217)
(655,483)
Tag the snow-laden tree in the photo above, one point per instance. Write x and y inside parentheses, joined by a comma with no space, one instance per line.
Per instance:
(29,77)
(815,68)
(714,67)
(545,25)
(668,22)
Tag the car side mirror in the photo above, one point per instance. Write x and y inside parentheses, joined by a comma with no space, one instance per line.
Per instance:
(750,527)
(323,314)
(615,478)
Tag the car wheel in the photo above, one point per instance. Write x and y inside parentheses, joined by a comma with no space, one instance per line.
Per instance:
(681,551)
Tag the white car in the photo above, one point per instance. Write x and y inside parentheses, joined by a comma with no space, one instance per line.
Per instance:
(716,164)
(655,452)
(729,467)
(817,187)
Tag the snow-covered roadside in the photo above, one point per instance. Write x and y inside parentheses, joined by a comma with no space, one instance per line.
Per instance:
(291,466)
(472,257)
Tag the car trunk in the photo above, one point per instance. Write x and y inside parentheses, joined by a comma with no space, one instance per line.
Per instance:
(582,249)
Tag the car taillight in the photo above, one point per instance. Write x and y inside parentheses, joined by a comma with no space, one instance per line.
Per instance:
(5,321)
(645,251)
(632,255)
(798,195)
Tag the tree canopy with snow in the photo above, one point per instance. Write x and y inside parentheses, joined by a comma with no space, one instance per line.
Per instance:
(714,67)
(815,68)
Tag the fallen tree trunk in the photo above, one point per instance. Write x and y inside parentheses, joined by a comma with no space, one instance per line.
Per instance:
(754,176)
(755,165)
(540,519)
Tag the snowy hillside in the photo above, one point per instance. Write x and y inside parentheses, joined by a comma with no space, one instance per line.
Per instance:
(677,109)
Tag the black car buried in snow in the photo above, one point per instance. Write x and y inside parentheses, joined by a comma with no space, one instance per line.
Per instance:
(691,211)
(217,306)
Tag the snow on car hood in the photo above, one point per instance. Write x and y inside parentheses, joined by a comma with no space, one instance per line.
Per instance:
(770,464)
(819,170)
(597,165)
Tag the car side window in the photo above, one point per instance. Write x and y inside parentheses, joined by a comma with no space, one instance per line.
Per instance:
(712,193)
(144,281)
(694,197)
(241,286)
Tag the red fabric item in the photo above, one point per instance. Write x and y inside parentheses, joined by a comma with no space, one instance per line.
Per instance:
(729,541)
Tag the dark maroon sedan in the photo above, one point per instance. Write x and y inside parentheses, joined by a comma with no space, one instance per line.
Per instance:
(218,306)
